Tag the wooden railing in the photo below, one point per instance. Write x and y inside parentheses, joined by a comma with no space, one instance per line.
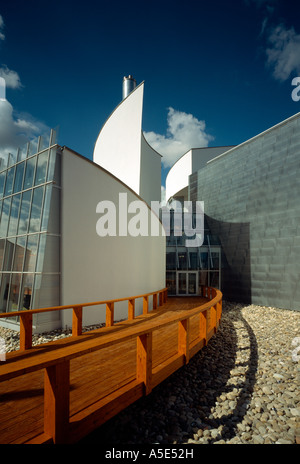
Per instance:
(59,426)
(159,298)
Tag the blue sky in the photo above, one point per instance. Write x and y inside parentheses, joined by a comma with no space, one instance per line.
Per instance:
(216,72)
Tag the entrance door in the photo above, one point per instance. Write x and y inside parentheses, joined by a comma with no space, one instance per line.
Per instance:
(187,283)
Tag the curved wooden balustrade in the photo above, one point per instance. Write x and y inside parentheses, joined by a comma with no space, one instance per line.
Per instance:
(61,423)
(159,298)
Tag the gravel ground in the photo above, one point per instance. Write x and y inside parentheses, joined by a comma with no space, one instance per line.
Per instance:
(242,388)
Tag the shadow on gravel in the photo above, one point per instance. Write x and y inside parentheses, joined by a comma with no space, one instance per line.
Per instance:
(183,404)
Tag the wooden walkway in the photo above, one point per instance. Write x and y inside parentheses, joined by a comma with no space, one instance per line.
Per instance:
(61,391)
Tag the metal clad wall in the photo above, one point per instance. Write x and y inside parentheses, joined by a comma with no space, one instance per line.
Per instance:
(251,200)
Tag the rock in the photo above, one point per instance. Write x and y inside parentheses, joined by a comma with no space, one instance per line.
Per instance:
(295,412)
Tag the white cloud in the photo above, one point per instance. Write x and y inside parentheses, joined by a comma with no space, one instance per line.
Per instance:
(183,133)
(16,130)
(284,52)
(12,78)
(2,36)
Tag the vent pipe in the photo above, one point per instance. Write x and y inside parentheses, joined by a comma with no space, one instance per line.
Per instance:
(129,84)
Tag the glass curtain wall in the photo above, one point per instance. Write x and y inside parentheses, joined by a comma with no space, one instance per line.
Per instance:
(188,268)
(30,191)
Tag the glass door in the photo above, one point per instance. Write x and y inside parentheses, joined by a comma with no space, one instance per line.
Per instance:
(187,283)
(192,283)
(181,283)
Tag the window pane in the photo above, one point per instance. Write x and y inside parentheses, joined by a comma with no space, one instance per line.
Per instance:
(19,177)
(26,291)
(2,244)
(24,214)
(19,254)
(9,181)
(5,217)
(182,260)
(171,283)
(182,283)
(8,255)
(203,278)
(33,147)
(14,293)
(29,174)
(4,291)
(14,215)
(54,166)
(51,210)
(204,260)
(193,255)
(49,254)
(31,252)
(214,260)
(171,260)
(35,217)
(2,181)
(41,169)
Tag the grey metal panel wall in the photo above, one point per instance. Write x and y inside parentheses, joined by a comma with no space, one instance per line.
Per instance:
(251,197)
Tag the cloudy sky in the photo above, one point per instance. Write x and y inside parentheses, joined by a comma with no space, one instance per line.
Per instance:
(216,72)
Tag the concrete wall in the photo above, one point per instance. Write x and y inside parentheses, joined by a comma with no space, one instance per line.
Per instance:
(96,268)
(251,199)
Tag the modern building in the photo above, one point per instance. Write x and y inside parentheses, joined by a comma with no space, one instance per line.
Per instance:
(52,202)
(69,228)
(188,268)
(251,195)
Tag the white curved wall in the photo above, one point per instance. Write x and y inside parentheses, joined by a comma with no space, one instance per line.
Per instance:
(122,150)
(178,176)
(96,268)
(118,147)
(195,159)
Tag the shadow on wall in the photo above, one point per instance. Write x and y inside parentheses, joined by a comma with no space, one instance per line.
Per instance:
(236,265)
(211,393)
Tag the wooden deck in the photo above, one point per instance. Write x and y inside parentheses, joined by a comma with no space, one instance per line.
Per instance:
(61,391)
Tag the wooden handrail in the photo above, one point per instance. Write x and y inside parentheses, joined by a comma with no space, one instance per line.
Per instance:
(58,425)
(26,315)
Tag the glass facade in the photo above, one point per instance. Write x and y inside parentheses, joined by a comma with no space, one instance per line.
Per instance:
(188,268)
(30,192)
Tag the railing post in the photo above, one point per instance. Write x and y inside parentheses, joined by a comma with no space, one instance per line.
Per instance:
(184,338)
(25,331)
(155,301)
(131,309)
(110,307)
(160,298)
(166,296)
(144,361)
(145,304)
(56,401)
(203,326)
(77,321)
